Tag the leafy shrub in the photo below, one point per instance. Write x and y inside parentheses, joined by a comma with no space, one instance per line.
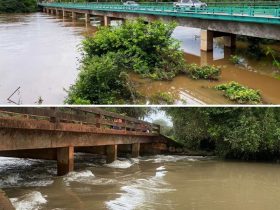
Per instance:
(162,98)
(241,94)
(202,72)
(100,81)
(235,59)
(147,49)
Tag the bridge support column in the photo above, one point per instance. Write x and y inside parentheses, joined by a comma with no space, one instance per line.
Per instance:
(206,58)
(65,160)
(106,21)
(56,12)
(74,15)
(206,40)
(135,148)
(63,13)
(230,41)
(87,17)
(111,153)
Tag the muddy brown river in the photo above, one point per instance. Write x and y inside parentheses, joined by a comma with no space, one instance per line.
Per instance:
(39,58)
(151,182)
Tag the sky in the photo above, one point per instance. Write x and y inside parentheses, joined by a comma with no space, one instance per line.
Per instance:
(159,115)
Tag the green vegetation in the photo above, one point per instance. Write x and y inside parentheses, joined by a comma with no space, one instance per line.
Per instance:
(16,6)
(235,59)
(275,56)
(162,98)
(236,132)
(241,94)
(144,48)
(202,72)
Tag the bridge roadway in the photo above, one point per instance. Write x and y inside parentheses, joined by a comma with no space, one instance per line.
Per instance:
(56,133)
(217,21)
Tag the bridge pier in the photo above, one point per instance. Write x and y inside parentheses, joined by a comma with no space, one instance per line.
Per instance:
(135,149)
(111,153)
(65,160)
(206,40)
(206,58)
(106,21)
(5,203)
(230,40)
(87,17)
(74,15)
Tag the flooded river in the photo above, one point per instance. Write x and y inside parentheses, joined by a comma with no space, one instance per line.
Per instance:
(152,182)
(39,55)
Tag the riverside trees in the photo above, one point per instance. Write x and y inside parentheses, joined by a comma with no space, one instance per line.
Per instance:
(15,6)
(242,133)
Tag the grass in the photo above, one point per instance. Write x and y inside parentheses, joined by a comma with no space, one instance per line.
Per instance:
(162,98)
(239,93)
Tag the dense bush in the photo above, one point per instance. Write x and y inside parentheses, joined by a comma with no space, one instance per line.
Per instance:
(148,48)
(112,52)
(15,6)
(202,72)
(101,81)
(162,98)
(241,94)
(236,132)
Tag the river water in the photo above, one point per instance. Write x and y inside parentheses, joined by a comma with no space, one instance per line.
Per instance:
(39,55)
(152,182)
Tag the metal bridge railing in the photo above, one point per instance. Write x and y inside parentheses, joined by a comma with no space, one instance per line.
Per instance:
(168,9)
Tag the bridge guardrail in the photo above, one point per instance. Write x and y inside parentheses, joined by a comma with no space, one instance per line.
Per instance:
(272,11)
(84,116)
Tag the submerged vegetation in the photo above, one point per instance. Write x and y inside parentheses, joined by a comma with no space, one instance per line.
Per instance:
(203,72)
(239,93)
(242,133)
(16,6)
(136,46)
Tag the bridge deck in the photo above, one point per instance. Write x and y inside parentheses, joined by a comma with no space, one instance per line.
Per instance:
(262,14)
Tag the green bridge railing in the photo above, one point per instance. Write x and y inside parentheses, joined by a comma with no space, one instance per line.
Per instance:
(260,14)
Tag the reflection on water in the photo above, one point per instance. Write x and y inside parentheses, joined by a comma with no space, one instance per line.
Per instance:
(153,182)
(39,53)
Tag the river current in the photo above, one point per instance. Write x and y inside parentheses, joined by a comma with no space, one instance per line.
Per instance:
(150,182)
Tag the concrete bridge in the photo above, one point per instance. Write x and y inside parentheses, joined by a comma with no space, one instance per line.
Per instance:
(56,133)
(217,21)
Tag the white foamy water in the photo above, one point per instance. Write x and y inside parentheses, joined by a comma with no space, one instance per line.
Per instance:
(86,177)
(30,201)
(174,158)
(140,193)
(123,163)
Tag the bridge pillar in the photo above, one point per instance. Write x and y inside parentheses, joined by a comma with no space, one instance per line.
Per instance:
(135,149)
(74,15)
(111,153)
(206,40)
(65,160)
(87,17)
(106,21)
(206,58)
(230,41)
(57,12)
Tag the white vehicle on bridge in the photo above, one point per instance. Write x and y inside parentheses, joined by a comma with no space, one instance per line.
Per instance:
(131,3)
(189,4)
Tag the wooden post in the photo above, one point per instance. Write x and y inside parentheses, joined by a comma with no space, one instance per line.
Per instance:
(206,40)
(135,148)
(63,13)
(111,153)
(65,160)
(106,21)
